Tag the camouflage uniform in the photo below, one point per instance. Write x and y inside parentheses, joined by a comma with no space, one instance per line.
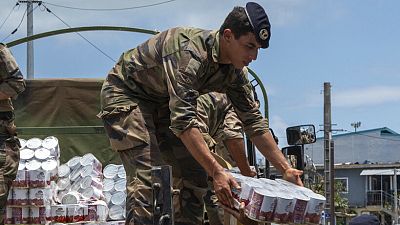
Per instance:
(155,86)
(218,122)
(11,84)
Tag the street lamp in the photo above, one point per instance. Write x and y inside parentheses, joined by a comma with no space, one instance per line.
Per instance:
(356,125)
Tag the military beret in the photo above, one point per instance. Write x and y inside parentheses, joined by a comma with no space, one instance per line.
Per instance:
(260,23)
(365,220)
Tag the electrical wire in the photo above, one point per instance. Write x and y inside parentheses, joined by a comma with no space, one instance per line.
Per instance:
(16,29)
(9,14)
(84,38)
(22,19)
(115,9)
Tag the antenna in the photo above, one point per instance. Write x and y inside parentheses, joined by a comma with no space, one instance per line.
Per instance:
(356,125)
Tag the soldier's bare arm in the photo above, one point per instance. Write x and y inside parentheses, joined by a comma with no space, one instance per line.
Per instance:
(237,150)
(267,146)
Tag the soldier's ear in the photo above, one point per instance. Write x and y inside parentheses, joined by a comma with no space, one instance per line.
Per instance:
(228,35)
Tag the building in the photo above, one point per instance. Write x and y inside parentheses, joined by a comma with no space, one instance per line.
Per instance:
(365,163)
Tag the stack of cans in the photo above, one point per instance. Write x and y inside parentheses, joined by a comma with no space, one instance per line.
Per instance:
(278,201)
(115,191)
(32,191)
(82,175)
(80,191)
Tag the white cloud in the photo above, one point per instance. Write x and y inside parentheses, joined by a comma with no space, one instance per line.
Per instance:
(366,96)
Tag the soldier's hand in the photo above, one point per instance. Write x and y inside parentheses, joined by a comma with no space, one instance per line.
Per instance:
(223,184)
(293,175)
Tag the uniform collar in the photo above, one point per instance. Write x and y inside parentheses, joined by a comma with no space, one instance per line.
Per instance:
(215,47)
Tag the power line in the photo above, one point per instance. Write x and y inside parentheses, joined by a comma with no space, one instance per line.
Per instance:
(114,9)
(22,19)
(92,44)
(9,14)
(16,29)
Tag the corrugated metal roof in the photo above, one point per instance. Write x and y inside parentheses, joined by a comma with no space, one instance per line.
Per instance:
(386,172)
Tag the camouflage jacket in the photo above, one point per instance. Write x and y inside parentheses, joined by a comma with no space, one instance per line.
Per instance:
(217,118)
(177,66)
(11,79)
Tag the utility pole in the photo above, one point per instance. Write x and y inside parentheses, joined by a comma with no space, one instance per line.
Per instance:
(29,32)
(396,199)
(329,157)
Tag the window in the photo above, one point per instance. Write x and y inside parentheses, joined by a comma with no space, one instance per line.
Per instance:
(342,184)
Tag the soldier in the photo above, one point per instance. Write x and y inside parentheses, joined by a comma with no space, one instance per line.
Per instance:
(153,90)
(11,84)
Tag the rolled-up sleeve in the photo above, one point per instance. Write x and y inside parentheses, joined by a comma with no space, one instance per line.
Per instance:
(242,99)
(12,82)
(181,79)
(232,127)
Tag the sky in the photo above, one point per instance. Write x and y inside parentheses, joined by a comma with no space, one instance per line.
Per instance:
(353,45)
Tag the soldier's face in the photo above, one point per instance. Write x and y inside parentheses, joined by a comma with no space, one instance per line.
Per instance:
(242,51)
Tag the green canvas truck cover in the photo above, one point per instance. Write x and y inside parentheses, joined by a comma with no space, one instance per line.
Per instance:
(66,109)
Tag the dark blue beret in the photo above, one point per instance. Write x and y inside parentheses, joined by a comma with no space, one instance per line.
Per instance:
(365,220)
(260,23)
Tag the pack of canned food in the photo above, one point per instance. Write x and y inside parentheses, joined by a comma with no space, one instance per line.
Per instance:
(278,201)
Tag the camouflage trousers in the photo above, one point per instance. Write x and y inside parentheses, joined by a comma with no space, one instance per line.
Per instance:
(142,137)
(9,160)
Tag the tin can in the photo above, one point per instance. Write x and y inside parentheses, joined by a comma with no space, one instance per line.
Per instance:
(111,171)
(59,213)
(74,162)
(26,154)
(63,170)
(92,193)
(38,178)
(63,183)
(21,180)
(34,143)
(300,201)
(97,211)
(39,215)
(118,198)
(51,143)
(284,206)
(10,197)
(90,159)
(107,196)
(20,196)
(89,181)
(42,154)
(76,185)
(71,197)
(20,215)
(121,172)
(108,185)
(22,142)
(120,185)
(268,205)
(9,216)
(314,208)
(116,212)
(75,174)
(50,166)
(76,213)
(39,196)
(89,170)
